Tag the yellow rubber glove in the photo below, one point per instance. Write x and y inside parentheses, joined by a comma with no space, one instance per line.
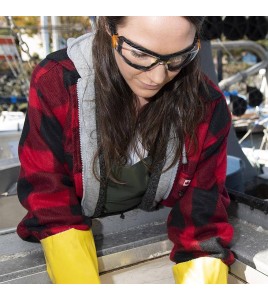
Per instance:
(201,270)
(71,257)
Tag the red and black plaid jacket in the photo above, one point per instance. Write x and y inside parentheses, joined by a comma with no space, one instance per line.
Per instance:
(50,181)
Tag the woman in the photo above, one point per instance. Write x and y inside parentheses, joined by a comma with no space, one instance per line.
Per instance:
(122,119)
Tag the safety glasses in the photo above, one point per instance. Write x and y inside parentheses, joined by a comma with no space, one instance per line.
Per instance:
(143,59)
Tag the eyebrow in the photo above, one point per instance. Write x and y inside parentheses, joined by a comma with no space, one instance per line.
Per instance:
(143,49)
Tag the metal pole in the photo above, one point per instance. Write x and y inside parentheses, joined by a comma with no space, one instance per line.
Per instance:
(265,88)
(45,35)
(225,83)
(219,67)
(55,22)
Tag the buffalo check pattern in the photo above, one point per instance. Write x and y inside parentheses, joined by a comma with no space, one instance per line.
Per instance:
(50,181)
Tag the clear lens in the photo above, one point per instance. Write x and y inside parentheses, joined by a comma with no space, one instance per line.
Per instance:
(178,60)
(182,60)
(136,57)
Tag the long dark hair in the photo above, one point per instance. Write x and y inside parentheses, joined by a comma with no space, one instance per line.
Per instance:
(177,107)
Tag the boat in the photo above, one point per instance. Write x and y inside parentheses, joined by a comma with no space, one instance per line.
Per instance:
(11,120)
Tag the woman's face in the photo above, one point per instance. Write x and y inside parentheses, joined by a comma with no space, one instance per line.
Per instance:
(162,35)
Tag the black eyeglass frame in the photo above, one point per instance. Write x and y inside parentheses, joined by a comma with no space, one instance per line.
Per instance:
(118,41)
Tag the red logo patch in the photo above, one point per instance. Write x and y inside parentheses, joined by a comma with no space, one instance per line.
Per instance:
(186,182)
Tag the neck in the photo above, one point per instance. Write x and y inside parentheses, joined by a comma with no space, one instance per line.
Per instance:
(142,102)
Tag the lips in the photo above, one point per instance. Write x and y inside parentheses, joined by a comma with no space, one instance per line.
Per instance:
(149,86)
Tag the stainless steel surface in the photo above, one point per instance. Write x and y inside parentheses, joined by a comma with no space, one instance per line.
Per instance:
(11,213)
(35,278)
(16,268)
(132,256)
(8,230)
(159,271)
(247,274)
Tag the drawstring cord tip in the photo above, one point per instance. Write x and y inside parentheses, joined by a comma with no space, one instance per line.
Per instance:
(184,156)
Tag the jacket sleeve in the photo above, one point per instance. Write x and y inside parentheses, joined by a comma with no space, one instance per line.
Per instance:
(46,186)
(198,222)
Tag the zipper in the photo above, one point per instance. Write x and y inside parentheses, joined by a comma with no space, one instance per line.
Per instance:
(80,143)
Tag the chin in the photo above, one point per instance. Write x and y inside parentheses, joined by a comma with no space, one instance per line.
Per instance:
(146,93)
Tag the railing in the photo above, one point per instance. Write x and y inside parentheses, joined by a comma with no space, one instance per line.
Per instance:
(247,46)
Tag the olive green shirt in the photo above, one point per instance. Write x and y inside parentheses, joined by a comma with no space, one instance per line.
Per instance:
(122,197)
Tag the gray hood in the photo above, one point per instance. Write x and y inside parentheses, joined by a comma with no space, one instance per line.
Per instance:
(79,51)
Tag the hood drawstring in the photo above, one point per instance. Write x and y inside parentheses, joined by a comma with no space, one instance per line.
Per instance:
(184,156)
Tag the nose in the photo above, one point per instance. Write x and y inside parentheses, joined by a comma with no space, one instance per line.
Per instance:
(158,74)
